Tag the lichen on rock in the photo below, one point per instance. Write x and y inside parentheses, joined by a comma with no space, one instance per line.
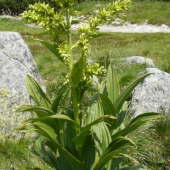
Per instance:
(16,61)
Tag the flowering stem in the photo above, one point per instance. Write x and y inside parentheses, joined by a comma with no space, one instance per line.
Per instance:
(73,89)
(69,38)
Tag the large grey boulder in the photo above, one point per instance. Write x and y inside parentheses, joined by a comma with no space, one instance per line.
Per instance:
(153,94)
(16,61)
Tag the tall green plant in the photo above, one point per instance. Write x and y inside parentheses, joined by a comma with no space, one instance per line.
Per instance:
(72,135)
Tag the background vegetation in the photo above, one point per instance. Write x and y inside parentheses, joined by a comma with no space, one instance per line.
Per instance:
(15,7)
(154,148)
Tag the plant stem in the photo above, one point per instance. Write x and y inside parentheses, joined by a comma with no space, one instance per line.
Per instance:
(69,38)
(76,115)
(75,106)
(73,90)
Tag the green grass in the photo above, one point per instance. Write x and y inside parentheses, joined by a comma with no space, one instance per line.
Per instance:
(155,12)
(153,145)
(86,8)
(116,45)
(16,155)
(18,26)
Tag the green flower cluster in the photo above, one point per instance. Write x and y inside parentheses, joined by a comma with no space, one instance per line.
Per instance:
(64,53)
(58,24)
(93,69)
(88,72)
(87,31)
(44,15)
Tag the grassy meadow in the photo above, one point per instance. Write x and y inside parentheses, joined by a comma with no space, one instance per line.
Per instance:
(116,45)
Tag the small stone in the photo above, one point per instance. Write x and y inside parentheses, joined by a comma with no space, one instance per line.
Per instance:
(164,26)
(138,60)
(96,11)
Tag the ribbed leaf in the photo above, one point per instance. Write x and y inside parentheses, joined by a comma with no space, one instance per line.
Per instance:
(39,110)
(38,148)
(99,133)
(113,88)
(125,94)
(116,162)
(109,108)
(79,140)
(53,49)
(36,92)
(88,150)
(120,119)
(135,123)
(77,71)
(56,101)
(95,110)
(52,159)
(114,150)
(69,134)
(102,138)
(50,135)
(57,116)
(145,117)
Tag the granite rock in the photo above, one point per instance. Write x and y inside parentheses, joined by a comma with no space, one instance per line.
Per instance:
(16,61)
(138,60)
(153,94)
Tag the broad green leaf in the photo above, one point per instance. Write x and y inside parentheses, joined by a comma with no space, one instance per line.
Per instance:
(50,135)
(102,138)
(120,119)
(109,108)
(77,71)
(57,160)
(114,150)
(95,110)
(99,132)
(145,117)
(125,94)
(69,134)
(38,148)
(56,101)
(79,140)
(88,150)
(116,162)
(135,123)
(117,144)
(53,49)
(36,92)
(38,110)
(57,116)
(112,84)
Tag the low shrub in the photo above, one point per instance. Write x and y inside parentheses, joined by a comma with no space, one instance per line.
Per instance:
(15,7)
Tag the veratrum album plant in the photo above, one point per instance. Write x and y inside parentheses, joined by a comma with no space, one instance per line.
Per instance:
(73,134)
